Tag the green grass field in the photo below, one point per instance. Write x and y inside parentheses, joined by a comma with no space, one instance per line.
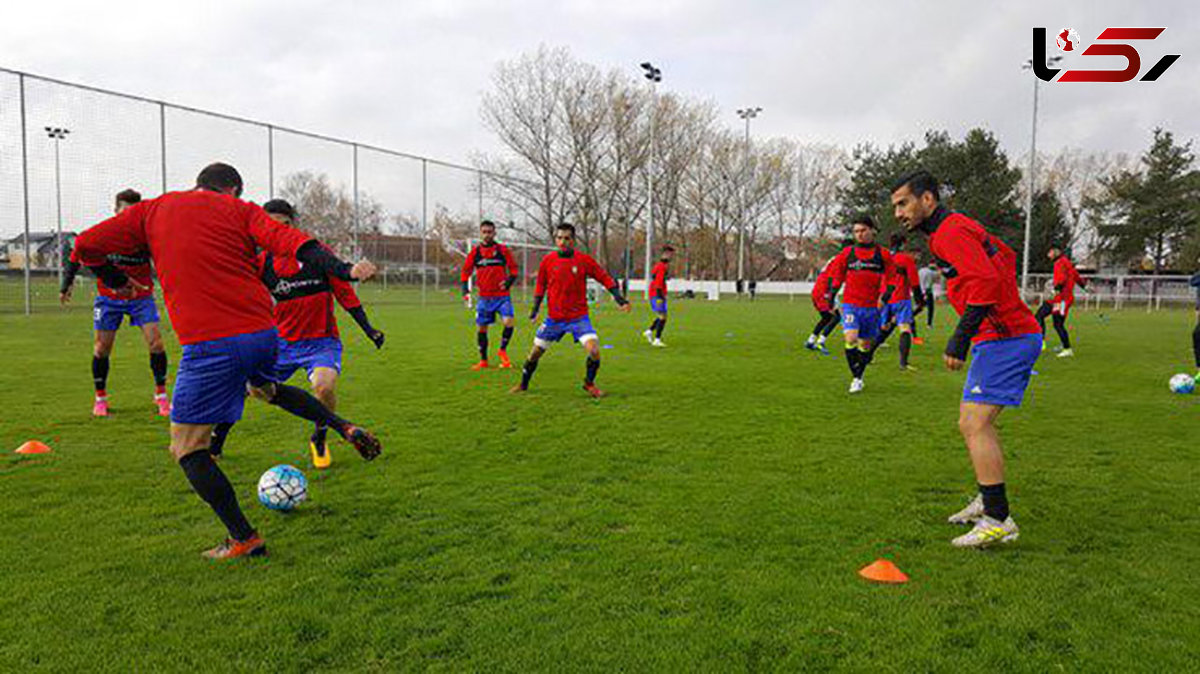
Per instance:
(711,514)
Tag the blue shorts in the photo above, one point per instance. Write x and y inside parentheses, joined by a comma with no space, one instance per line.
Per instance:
(658,305)
(863,319)
(897,312)
(488,307)
(1000,370)
(210,386)
(308,354)
(551,331)
(107,313)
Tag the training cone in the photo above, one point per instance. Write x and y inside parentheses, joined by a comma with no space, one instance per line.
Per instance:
(883,571)
(33,447)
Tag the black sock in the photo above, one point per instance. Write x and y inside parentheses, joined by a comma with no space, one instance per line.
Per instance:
(833,321)
(852,360)
(883,337)
(653,326)
(527,371)
(662,323)
(995,501)
(303,404)
(864,359)
(913,327)
(211,484)
(158,365)
(216,444)
(905,347)
(318,436)
(504,337)
(100,372)
(481,337)
(593,366)
(816,331)
(1060,326)
(1042,312)
(1196,343)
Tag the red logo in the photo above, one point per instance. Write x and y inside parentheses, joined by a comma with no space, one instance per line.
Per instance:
(1114,45)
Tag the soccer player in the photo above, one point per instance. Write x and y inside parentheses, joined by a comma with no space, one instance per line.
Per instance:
(1066,277)
(658,296)
(308,331)
(202,242)
(902,286)
(495,271)
(110,310)
(1194,282)
(861,270)
(981,285)
(823,294)
(563,277)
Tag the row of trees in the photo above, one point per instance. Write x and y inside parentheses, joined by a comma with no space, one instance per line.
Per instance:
(578,147)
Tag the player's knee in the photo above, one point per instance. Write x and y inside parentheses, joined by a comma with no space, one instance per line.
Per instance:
(971,424)
(102,347)
(265,393)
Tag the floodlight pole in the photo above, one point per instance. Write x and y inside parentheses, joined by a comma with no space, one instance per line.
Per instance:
(655,76)
(1032,177)
(57,134)
(746,114)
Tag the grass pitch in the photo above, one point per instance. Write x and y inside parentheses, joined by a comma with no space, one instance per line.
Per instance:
(710,515)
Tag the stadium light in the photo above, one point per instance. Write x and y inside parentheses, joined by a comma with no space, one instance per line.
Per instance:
(57,134)
(1028,65)
(654,75)
(747,114)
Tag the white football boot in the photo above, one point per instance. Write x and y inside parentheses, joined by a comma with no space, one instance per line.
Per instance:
(649,336)
(856,385)
(988,532)
(970,514)
(657,342)
(1066,353)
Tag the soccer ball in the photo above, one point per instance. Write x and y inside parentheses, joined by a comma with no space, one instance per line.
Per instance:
(1182,383)
(282,488)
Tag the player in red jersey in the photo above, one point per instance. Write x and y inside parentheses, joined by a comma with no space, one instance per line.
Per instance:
(110,311)
(659,274)
(495,271)
(824,293)
(861,270)
(308,331)
(1066,277)
(981,285)
(563,276)
(203,242)
(903,285)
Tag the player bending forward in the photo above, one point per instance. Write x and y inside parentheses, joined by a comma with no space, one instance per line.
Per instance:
(563,276)
(203,242)
(981,285)
(110,310)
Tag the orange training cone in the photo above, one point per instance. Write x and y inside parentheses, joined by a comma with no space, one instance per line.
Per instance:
(33,447)
(883,571)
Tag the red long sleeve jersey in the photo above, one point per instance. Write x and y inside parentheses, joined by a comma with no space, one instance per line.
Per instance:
(136,266)
(863,270)
(492,266)
(824,289)
(904,277)
(304,298)
(980,270)
(1065,277)
(204,248)
(658,279)
(562,278)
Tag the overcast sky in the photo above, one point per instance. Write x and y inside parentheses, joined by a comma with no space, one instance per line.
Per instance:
(409,74)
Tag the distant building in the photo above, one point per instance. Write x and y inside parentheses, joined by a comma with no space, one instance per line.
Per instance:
(41,254)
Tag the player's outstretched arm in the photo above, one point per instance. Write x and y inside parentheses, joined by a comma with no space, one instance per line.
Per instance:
(70,271)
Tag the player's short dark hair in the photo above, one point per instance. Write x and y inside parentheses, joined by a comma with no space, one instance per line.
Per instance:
(487,223)
(898,240)
(218,176)
(919,181)
(566,227)
(864,219)
(280,207)
(128,196)
(668,248)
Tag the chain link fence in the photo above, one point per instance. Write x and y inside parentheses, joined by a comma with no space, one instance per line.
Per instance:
(403,211)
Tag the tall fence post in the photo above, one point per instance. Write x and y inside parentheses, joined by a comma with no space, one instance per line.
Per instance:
(424,222)
(270,161)
(25,196)
(354,179)
(162,143)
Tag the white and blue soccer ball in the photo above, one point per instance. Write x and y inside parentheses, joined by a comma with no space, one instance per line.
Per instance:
(282,488)
(1182,383)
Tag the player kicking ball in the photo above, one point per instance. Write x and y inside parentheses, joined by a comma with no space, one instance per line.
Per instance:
(110,310)
(495,271)
(658,296)
(203,245)
(981,285)
(563,276)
